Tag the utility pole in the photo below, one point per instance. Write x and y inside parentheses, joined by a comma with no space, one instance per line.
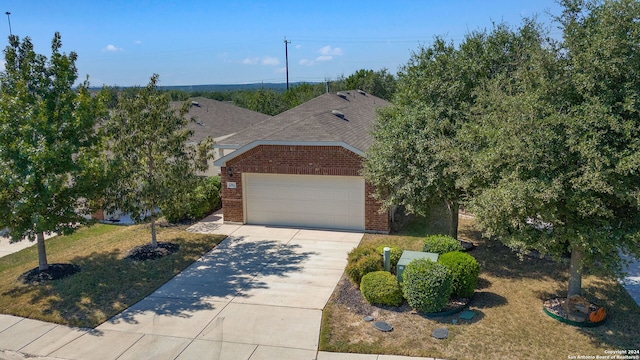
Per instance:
(9,19)
(286,58)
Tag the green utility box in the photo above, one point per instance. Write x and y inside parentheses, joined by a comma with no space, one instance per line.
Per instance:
(409,256)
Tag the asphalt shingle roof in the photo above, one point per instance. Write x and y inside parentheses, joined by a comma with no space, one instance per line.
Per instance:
(217,118)
(314,121)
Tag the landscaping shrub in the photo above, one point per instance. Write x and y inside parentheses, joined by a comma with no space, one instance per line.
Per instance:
(381,288)
(427,285)
(465,270)
(441,244)
(361,261)
(196,202)
(395,253)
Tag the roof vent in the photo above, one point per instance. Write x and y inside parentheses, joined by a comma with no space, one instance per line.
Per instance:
(338,114)
(362,92)
(342,95)
(195,103)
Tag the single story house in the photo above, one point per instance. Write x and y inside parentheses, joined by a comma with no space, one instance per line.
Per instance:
(303,167)
(219,120)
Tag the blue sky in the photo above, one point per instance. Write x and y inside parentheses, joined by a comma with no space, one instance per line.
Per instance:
(123,42)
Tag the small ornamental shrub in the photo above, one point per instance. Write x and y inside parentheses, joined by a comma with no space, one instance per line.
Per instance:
(427,285)
(195,203)
(362,261)
(359,252)
(441,244)
(396,253)
(381,288)
(465,270)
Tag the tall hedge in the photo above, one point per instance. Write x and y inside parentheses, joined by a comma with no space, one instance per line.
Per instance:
(427,285)
(465,270)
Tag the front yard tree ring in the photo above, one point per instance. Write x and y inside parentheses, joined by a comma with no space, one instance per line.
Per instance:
(555,309)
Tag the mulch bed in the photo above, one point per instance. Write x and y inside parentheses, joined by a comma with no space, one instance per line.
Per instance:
(148,252)
(556,307)
(349,295)
(54,272)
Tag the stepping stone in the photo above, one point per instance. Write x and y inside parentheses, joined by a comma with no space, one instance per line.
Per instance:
(383,326)
(440,333)
(368,318)
(467,315)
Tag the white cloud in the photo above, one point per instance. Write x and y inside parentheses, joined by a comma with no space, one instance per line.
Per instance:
(137,42)
(112,48)
(329,51)
(306,62)
(281,70)
(268,60)
(265,60)
(324,58)
(298,46)
(250,61)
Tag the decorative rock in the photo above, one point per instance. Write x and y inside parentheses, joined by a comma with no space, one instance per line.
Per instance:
(368,318)
(467,315)
(440,333)
(577,317)
(383,326)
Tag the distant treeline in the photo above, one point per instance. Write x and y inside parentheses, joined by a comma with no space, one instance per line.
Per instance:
(272,99)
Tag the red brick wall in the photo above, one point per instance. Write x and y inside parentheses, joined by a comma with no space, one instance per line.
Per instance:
(302,160)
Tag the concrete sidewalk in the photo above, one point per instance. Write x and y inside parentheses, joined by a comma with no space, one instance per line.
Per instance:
(6,247)
(257,295)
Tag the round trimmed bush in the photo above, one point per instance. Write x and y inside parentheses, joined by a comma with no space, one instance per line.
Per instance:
(381,288)
(361,261)
(396,253)
(441,244)
(427,285)
(465,270)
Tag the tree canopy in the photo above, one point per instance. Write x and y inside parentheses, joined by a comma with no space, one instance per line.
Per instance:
(150,160)
(47,143)
(538,138)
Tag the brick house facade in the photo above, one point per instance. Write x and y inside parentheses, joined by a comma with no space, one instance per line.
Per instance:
(303,167)
(296,160)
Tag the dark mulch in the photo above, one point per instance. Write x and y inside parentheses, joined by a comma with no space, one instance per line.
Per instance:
(466,245)
(349,295)
(147,252)
(54,272)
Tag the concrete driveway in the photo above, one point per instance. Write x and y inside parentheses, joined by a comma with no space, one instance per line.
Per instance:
(258,295)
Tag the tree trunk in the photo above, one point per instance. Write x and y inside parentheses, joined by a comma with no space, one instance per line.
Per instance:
(154,242)
(575,272)
(43,264)
(454,208)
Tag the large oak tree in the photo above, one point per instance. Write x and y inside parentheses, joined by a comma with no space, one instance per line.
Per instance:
(557,145)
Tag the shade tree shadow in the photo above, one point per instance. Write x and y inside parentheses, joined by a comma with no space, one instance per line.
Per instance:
(107,284)
(230,271)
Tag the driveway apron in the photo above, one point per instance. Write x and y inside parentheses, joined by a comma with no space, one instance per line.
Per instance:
(258,295)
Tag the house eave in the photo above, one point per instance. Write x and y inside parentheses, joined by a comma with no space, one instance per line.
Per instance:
(221,162)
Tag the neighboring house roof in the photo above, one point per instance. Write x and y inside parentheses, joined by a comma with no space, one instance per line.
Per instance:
(345,117)
(218,119)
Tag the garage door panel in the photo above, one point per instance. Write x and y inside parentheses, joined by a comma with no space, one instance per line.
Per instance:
(305,200)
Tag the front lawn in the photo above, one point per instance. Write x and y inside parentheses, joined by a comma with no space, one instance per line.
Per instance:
(510,322)
(106,284)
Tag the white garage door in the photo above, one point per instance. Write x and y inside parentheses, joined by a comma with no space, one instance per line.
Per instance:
(334,202)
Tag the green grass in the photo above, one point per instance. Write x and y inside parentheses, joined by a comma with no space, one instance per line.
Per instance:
(106,283)
(510,322)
